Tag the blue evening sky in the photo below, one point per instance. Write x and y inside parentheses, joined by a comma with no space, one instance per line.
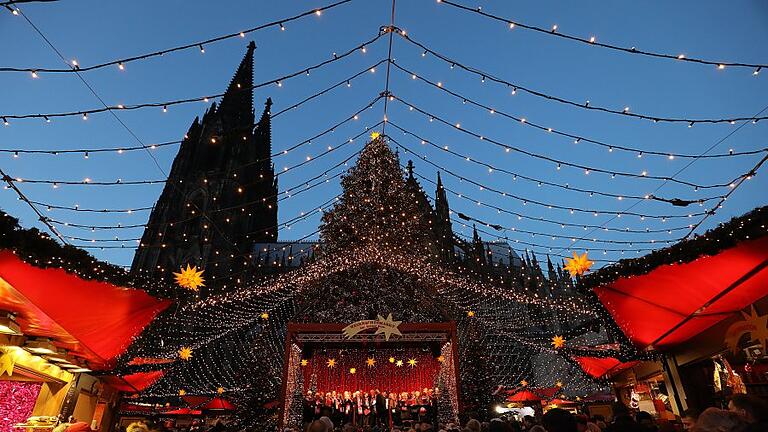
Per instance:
(97,31)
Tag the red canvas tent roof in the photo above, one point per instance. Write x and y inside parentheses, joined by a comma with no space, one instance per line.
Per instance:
(598,367)
(93,320)
(133,383)
(218,403)
(674,302)
(183,411)
(524,396)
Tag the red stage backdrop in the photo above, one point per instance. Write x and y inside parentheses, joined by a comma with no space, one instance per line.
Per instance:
(383,375)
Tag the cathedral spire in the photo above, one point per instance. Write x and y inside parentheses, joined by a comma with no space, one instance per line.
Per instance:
(237,103)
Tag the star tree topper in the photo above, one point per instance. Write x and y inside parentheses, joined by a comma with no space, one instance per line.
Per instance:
(558,342)
(578,265)
(190,278)
(185,353)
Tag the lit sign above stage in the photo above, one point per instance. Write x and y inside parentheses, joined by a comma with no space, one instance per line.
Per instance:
(387,326)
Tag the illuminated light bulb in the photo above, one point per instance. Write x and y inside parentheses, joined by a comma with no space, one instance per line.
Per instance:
(121,66)
(153,146)
(85,116)
(439,84)
(482,79)
(121,106)
(576,141)
(690,125)
(47,120)
(279,83)
(720,66)
(202,49)
(639,155)
(558,166)
(318,12)
(165,108)
(620,198)
(522,120)
(644,173)
(34,74)
(75,64)
(86,155)
(458,125)
(680,56)
(205,99)
(424,54)
(15,11)
(242,35)
(363,49)
(373,70)
(120,151)
(626,110)
(592,39)
(586,172)
(16,154)
(282,27)
(5,122)
(514,91)
(554,28)
(493,111)
(757,71)
(355,117)
(511,25)
(671,157)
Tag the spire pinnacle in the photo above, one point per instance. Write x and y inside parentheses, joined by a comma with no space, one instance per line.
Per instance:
(237,104)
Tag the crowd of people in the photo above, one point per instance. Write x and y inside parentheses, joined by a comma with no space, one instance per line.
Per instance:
(372,408)
(744,414)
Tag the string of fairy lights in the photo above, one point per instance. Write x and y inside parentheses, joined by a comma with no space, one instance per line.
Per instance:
(515,325)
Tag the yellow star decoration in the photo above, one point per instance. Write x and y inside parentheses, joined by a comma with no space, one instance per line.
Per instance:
(352,371)
(304,362)
(559,383)
(399,363)
(760,334)
(578,265)
(412,362)
(190,278)
(264,316)
(371,362)
(182,392)
(391,359)
(470,313)
(6,363)
(220,390)
(185,353)
(524,383)
(558,342)
(441,359)
(375,135)
(331,363)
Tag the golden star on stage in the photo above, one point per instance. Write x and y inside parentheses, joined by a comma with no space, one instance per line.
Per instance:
(352,371)
(470,313)
(190,278)
(412,362)
(185,353)
(220,390)
(264,316)
(388,326)
(304,362)
(558,342)
(578,265)
(331,363)
(441,358)
(391,359)
(371,362)
(399,363)
(375,135)
(182,392)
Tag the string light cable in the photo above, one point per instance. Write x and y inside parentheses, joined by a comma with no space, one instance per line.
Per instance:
(583,105)
(550,206)
(206,98)
(120,63)
(577,138)
(562,224)
(587,169)
(592,41)
(492,168)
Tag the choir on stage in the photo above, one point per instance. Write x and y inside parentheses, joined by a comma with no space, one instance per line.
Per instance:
(371,408)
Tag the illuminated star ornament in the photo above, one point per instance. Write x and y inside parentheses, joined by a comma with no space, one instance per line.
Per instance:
(304,362)
(524,383)
(265,316)
(182,392)
(558,342)
(331,363)
(399,363)
(441,359)
(391,359)
(190,278)
(388,326)
(412,362)
(352,371)
(220,390)
(470,313)
(578,265)
(371,362)
(185,353)
(375,135)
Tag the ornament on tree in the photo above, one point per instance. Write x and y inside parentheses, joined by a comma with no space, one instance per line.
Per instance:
(185,353)
(190,278)
(558,342)
(578,265)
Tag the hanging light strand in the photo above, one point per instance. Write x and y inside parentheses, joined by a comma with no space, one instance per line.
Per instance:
(191,45)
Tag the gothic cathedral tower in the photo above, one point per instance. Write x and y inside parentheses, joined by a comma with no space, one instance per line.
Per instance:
(221,194)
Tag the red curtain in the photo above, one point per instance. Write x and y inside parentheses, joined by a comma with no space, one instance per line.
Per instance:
(384,375)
